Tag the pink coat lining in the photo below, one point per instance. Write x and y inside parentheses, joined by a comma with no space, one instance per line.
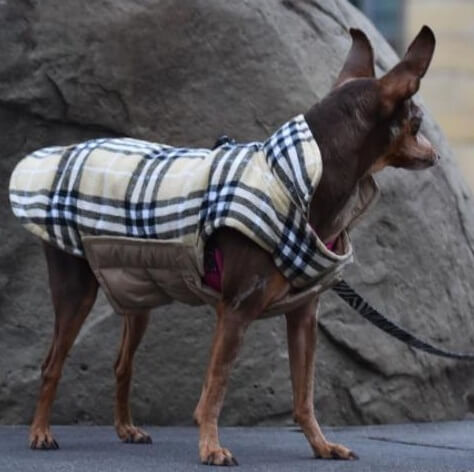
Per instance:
(213,277)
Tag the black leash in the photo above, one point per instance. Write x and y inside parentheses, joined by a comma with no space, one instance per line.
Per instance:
(355,301)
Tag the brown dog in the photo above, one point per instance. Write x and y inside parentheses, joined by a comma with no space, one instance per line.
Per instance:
(362,126)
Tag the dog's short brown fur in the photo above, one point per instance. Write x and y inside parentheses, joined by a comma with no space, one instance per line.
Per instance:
(362,126)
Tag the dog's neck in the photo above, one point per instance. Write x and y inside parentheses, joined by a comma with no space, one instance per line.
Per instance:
(336,194)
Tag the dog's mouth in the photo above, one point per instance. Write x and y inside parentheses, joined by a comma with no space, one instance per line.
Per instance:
(423,163)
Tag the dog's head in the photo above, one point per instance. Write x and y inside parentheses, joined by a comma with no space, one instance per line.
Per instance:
(373,122)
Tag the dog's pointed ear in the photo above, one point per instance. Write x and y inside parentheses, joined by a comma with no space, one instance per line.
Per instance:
(360,59)
(403,81)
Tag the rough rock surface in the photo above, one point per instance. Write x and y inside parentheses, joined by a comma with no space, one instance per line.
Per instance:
(182,73)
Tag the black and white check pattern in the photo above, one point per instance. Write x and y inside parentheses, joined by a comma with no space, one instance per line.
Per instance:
(126,187)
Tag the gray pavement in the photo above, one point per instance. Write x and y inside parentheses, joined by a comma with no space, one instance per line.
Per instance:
(430,447)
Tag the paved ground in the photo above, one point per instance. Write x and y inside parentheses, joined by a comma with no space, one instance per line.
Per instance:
(430,447)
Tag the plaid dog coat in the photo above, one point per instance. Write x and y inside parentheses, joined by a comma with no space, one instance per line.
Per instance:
(148,191)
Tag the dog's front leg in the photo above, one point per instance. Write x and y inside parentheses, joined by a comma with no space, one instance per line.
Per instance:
(301,331)
(230,329)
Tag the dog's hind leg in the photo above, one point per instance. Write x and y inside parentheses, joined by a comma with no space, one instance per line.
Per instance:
(73,290)
(301,331)
(134,327)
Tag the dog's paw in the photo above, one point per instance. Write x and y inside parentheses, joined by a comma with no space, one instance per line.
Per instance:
(133,435)
(335,451)
(40,439)
(219,456)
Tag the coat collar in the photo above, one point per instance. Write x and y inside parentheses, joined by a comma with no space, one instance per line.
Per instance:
(293,155)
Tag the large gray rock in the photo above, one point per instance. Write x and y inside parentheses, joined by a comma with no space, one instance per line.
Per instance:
(182,73)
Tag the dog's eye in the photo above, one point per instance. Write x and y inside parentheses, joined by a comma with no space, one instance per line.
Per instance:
(415,124)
